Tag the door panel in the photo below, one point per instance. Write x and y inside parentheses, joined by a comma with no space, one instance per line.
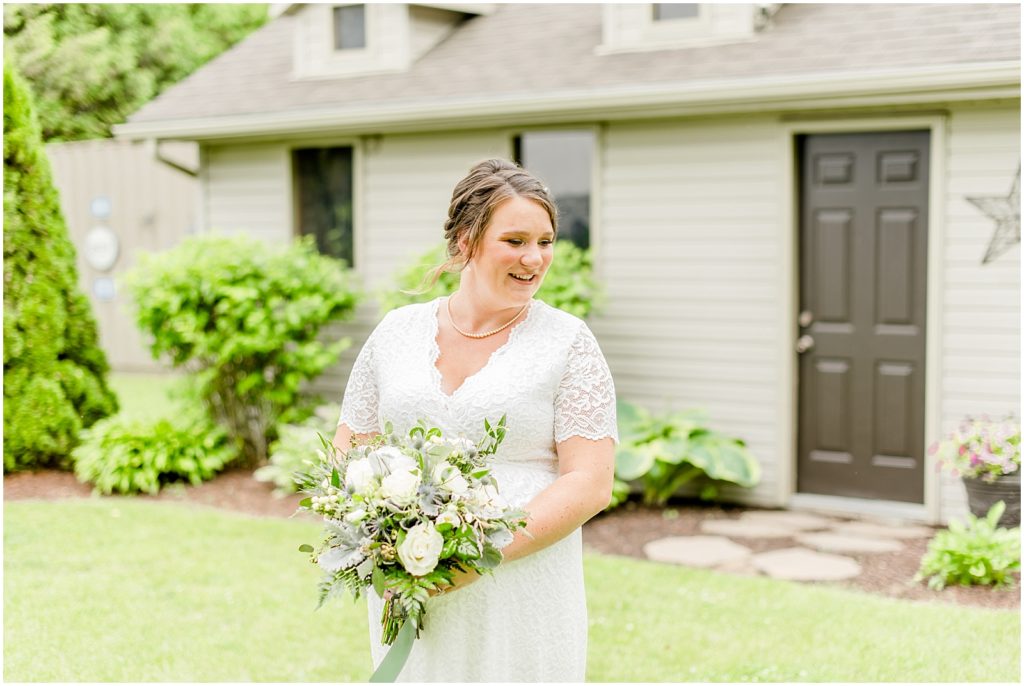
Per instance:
(863,253)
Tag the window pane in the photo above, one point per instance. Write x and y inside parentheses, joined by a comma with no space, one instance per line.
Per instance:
(676,10)
(563,159)
(323,198)
(349,27)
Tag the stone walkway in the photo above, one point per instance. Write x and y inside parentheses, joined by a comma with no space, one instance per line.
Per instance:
(818,557)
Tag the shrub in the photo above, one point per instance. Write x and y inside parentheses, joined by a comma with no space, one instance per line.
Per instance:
(975,553)
(54,369)
(667,451)
(244,317)
(296,448)
(132,456)
(569,284)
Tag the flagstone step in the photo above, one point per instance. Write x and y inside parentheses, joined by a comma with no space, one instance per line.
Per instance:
(794,520)
(695,551)
(841,543)
(801,564)
(746,528)
(872,530)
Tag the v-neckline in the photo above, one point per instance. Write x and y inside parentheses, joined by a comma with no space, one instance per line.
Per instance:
(435,350)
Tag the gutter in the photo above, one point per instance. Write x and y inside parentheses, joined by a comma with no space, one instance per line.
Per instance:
(930,84)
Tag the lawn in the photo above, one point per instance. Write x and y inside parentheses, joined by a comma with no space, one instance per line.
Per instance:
(118,589)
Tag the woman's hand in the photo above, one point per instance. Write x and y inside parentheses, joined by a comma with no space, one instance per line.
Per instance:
(459,580)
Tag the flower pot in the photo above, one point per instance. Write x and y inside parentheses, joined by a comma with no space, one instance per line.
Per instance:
(981,496)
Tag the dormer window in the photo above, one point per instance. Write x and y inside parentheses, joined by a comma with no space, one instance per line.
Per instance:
(665,11)
(350,27)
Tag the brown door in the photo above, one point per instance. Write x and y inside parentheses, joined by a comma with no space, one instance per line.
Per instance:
(863,248)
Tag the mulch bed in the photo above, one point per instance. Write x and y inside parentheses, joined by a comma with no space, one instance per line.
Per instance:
(621,532)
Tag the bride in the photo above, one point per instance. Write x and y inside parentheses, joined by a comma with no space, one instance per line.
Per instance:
(490,349)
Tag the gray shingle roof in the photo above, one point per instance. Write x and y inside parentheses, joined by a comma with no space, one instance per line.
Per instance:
(526,49)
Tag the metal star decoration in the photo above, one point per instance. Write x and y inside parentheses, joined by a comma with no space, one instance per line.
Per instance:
(1006,213)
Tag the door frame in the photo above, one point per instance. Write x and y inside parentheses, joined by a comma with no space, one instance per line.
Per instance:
(936,124)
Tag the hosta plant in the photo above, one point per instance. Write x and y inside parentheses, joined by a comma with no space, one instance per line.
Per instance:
(119,455)
(976,553)
(295,449)
(665,452)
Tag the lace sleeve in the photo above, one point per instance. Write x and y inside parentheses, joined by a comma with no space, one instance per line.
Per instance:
(585,400)
(359,405)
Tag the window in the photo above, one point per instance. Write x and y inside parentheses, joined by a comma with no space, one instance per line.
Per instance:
(350,27)
(563,160)
(676,10)
(323,198)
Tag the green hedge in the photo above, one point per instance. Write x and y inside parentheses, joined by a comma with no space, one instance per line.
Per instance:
(54,370)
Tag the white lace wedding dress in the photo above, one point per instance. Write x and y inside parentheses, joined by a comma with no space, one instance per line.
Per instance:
(527,622)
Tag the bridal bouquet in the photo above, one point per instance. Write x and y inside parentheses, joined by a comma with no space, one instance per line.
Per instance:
(403,513)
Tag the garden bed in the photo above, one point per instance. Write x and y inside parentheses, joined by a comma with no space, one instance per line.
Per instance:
(621,532)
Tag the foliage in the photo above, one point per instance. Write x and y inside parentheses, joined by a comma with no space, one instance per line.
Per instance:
(245,317)
(141,455)
(980,449)
(292,452)
(569,284)
(54,369)
(978,553)
(92,65)
(670,450)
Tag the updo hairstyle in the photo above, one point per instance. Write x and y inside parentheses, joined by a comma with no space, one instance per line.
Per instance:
(487,185)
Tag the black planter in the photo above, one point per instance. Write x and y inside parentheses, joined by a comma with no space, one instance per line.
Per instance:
(981,496)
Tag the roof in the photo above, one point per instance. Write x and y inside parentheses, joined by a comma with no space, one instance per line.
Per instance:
(547,53)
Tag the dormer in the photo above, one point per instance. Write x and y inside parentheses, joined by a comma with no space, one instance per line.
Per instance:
(639,27)
(356,39)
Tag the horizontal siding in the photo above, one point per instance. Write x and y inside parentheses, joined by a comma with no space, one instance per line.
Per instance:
(247,189)
(689,253)
(980,334)
(408,181)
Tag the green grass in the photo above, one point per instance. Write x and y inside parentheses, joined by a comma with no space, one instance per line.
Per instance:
(125,590)
(145,396)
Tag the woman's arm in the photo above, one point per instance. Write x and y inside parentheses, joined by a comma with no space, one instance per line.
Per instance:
(343,437)
(583,488)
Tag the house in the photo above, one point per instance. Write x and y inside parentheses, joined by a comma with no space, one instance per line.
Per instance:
(777,196)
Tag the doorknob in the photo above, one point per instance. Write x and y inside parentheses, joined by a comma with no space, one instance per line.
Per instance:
(804,343)
(806,318)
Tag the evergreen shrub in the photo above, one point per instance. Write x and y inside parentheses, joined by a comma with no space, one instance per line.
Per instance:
(54,370)
(569,284)
(128,456)
(245,318)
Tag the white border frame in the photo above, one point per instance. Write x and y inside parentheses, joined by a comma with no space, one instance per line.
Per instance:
(937,125)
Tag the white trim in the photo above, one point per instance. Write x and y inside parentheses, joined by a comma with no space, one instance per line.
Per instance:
(889,510)
(943,83)
(789,385)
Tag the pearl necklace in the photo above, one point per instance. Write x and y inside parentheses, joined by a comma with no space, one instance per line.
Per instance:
(485,334)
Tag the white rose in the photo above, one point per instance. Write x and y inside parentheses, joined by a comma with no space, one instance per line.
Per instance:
(421,549)
(400,487)
(449,516)
(394,459)
(450,478)
(359,475)
(356,515)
